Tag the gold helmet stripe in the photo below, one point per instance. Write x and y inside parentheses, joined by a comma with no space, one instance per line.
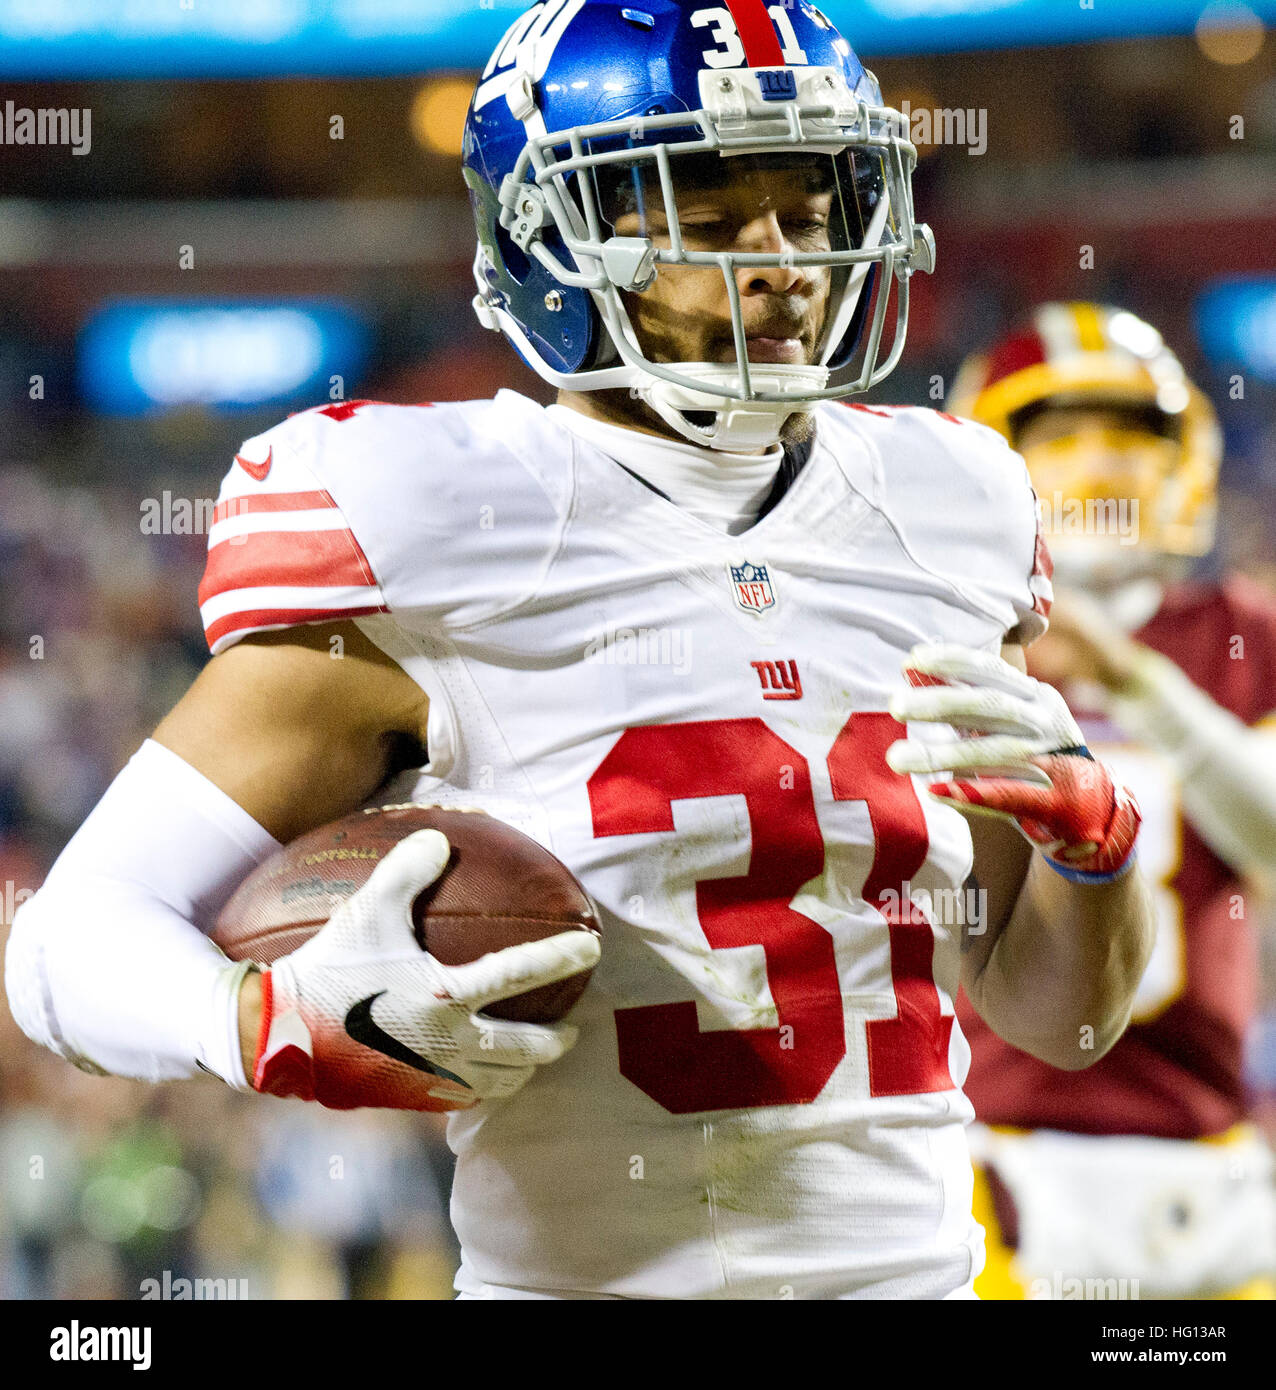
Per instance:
(1090,332)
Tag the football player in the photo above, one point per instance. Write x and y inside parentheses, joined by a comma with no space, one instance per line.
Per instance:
(1141,1168)
(662,627)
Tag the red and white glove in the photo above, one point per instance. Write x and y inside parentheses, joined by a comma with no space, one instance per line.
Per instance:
(1029,759)
(361,1015)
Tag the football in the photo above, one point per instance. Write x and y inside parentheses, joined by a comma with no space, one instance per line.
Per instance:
(500,888)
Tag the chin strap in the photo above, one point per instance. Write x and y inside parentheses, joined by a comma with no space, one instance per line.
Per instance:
(738,426)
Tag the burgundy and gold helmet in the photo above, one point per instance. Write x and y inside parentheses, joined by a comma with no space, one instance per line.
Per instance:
(1093,355)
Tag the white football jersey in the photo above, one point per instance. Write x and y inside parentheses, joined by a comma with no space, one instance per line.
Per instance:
(765,1097)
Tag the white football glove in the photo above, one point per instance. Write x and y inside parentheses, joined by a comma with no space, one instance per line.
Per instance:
(362,1016)
(1028,758)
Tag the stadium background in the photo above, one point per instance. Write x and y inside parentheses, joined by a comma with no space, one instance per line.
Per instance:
(308,160)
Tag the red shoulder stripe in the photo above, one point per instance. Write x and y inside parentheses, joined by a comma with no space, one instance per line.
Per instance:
(284,617)
(272,502)
(273,559)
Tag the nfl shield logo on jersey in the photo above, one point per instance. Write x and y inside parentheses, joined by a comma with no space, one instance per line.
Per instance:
(751,586)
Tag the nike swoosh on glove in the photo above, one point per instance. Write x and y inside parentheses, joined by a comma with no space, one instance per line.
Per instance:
(1029,759)
(362,1016)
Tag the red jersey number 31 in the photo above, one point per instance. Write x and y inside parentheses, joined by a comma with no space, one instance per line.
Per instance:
(662,1049)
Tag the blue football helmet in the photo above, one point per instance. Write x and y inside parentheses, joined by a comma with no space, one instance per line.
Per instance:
(589,125)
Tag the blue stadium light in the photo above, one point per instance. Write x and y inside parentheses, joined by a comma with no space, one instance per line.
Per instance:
(1236,323)
(263,38)
(137,357)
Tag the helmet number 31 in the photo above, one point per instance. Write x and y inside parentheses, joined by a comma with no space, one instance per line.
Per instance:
(730,50)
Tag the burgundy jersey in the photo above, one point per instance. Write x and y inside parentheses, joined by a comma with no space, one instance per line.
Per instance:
(1177,1071)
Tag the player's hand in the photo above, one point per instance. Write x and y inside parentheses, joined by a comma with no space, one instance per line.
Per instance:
(1026,756)
(361,1015)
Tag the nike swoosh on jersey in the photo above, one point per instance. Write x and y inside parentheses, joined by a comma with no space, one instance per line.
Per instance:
(256,470)
(362,1027)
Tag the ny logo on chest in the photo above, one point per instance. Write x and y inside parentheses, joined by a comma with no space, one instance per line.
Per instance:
(780,679)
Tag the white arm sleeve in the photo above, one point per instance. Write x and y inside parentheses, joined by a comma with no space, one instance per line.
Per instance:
(1226,769)
(108,964)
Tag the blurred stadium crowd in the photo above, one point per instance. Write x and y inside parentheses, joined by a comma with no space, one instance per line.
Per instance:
(105,1184)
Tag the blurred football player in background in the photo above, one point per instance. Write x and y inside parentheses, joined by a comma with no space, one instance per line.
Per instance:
(1143,1166)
